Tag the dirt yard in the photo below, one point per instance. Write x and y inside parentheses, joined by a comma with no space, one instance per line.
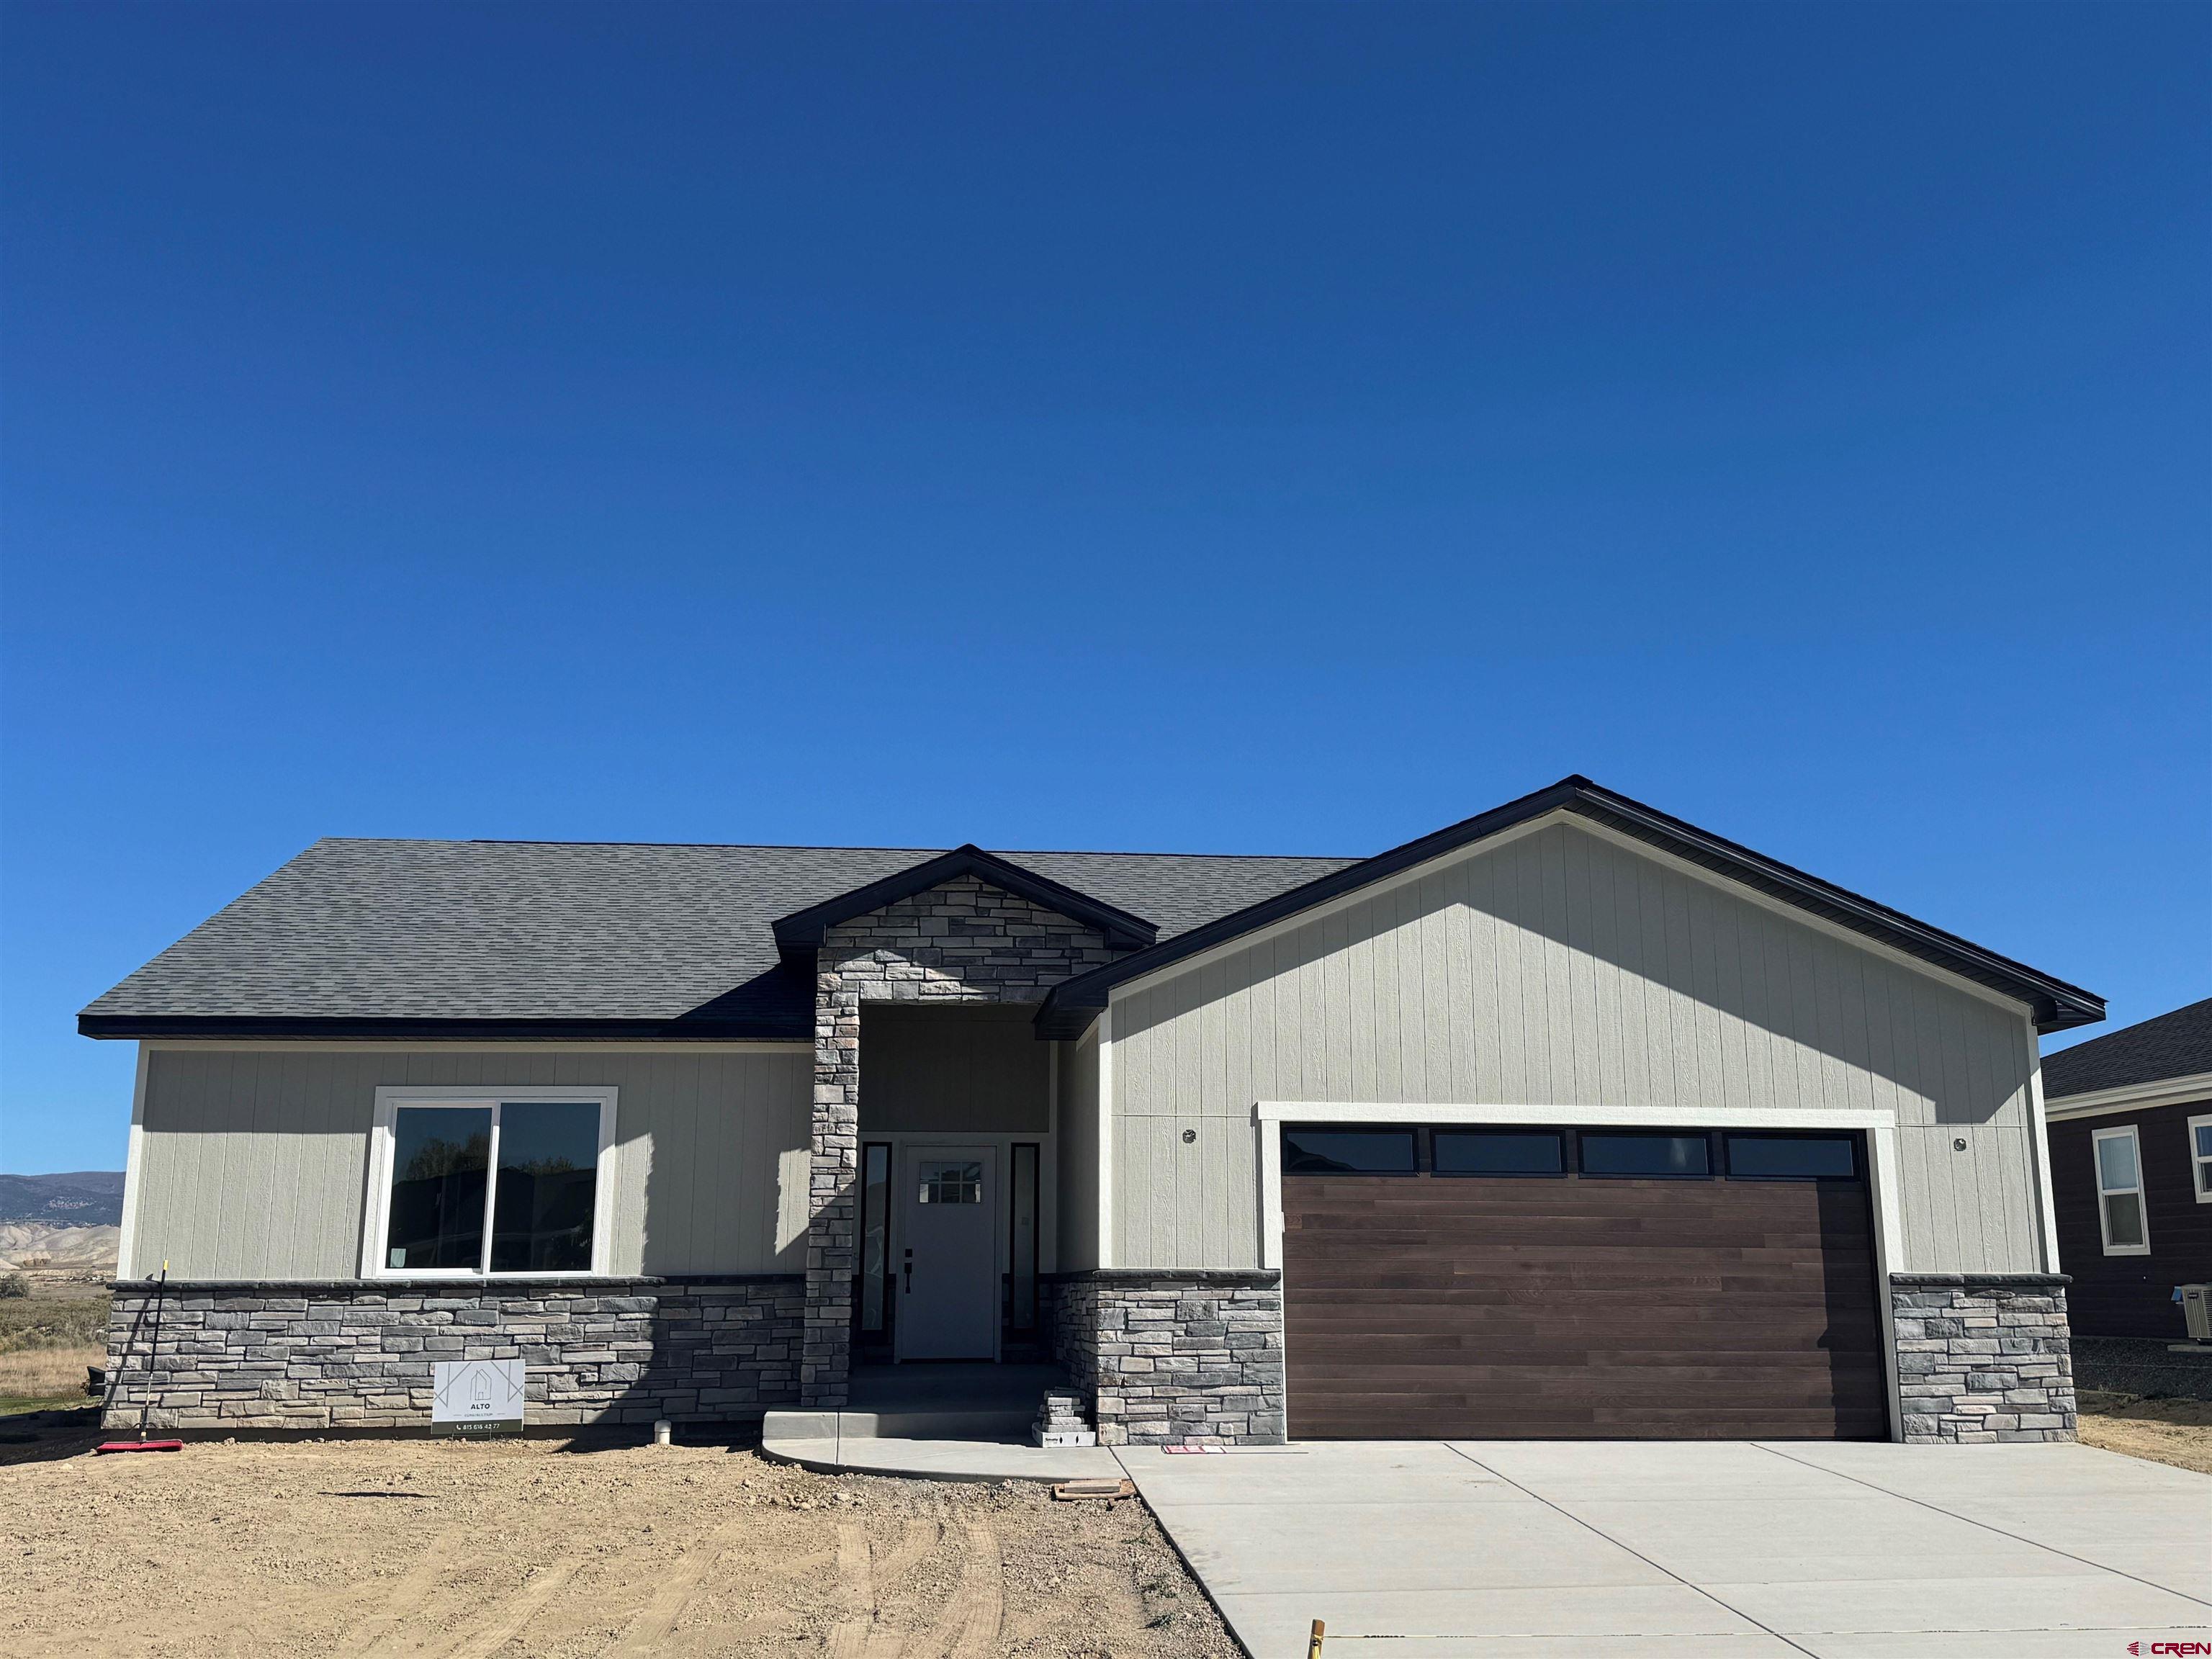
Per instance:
(377,1549)
(2178,1432)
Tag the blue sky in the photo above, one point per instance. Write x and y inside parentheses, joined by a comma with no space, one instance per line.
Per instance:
(1166,428)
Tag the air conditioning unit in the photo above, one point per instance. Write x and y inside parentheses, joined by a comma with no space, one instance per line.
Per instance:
(2197,1308)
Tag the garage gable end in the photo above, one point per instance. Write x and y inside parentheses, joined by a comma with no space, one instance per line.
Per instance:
(1568,967)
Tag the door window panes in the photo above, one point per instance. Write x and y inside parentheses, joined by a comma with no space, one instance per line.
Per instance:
(1639,1154)
(875,1238)
(1022,1242)
(1500,1151)
(953,1183)
(1792,1157)
(1348,1151)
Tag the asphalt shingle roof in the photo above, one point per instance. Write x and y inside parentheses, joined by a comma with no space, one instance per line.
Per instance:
(2179,1044)
(550,931)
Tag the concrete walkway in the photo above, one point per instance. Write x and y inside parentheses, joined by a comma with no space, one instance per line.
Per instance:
(1735,1550)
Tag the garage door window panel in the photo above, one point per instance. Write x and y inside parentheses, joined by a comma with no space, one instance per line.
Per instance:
(1349,1151)
(1500,1152)
(1792,1157)
(1646,1157)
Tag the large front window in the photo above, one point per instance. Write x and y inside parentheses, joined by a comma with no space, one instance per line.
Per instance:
(492,1185)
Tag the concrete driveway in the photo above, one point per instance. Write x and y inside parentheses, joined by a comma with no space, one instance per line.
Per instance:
(1479,1550)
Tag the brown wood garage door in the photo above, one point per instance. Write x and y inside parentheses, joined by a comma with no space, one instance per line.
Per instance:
(1426,1306)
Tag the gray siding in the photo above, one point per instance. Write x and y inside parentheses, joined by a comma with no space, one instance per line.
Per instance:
(1564,969)
(975,1068)
(1077,1145)
(253,1164)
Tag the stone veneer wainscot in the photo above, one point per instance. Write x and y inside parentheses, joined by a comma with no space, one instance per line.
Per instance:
(1983,1358)
(1174,1359)
(322,1355)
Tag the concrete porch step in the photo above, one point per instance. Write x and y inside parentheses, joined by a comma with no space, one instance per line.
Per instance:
(919,1422)
(940,1460)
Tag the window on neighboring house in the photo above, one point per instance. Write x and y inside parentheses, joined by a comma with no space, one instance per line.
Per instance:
(2120,1191)
(492,1185)
(2200,1157)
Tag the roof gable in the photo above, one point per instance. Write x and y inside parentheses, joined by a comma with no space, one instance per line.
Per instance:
(799,935)
(2056,1005)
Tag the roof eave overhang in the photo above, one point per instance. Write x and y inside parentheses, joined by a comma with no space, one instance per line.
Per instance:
(2055,1005)
(799,936)
(330,1028)
(2187,1090)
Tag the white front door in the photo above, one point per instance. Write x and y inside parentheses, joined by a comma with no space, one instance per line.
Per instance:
(948,1254)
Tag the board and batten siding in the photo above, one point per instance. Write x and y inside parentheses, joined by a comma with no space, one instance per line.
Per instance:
(252,1162)
(1077,1145)
(1566,967)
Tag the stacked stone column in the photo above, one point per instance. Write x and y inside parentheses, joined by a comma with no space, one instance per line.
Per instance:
(1983,1358)
(964,941)
(825,1360)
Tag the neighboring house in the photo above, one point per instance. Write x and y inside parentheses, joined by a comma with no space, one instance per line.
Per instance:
(2131,1118)
(1568,1120)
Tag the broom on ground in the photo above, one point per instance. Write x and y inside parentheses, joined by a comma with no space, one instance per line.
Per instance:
(146,1407)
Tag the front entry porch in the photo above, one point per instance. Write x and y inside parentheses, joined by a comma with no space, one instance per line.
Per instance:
(955,1421)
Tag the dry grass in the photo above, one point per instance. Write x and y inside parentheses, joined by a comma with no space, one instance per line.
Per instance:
(2176,1431)
(58,1314)
(47,1375)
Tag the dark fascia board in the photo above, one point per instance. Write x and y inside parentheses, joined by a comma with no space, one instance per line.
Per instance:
(798,935)
(225,1028)
(1070,1008)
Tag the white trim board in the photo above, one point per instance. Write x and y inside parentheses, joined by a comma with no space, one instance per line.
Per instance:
(1606,1117)
(376,1211)
(1106,1252)
(126,1239)
(2039,1158)
(2131,1097)
(1882,1166)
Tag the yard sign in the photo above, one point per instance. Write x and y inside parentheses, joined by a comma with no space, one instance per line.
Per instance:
(477,1392)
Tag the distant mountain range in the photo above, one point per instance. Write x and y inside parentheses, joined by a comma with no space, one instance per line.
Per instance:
(86,1198)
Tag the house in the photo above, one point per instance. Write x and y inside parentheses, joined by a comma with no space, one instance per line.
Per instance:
(2130,1117)
(1570,1119)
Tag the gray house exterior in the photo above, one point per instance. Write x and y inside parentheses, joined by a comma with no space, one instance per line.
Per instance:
(1571,1101)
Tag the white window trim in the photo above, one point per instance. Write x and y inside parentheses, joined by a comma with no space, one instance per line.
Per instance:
(2126,1131)
(2200,1168)
(377,1210)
